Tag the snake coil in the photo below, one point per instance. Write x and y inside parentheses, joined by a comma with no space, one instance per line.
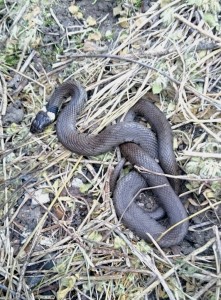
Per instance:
(139,146)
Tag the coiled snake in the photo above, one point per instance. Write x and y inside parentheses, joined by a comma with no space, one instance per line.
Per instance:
(138,145)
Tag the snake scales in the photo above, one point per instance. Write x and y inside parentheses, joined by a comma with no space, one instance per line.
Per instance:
(138,145)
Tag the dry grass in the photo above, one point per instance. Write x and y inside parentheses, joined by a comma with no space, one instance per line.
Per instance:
(178,56)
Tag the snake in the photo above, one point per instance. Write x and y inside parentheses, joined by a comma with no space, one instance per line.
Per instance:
(148,148)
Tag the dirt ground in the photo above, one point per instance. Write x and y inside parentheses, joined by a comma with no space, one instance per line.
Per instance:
(44,170)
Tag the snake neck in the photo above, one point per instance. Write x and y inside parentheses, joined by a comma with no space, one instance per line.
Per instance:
(67,116)
(67,89)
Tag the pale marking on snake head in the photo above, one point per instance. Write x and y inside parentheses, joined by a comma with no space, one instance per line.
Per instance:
(51,115)
(44,109)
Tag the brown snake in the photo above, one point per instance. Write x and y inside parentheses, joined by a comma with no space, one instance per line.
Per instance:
(138,144)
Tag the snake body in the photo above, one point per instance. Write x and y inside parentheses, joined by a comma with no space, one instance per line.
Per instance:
(138,144)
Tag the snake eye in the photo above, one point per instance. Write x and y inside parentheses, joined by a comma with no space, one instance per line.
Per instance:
(41,121)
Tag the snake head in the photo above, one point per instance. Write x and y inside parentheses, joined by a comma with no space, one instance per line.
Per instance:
(41,121)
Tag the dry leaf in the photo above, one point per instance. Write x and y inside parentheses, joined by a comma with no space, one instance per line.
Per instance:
(136,46)
(91,21)
(95,236)
(58,211)
(117,11)
(209,194)
(73,9)
(140,21)
(118,243)
(123,22)
(109,34)
(37,196)
(94,36)
(91,46)
(66,285)
(79,15)
(123,37)
(123,52)
(193,202)
(46,241)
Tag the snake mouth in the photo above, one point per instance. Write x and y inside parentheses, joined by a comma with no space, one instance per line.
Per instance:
(41,121)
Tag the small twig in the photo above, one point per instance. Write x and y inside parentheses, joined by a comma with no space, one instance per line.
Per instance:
(4,288)
(24,267)
(182,177)
(190,49)
(19,70)
(3,92)
(23,75)
(117,57)
(176,267)
(56,20)
(201,154)
(148,262)
(205,288)
(204,32)
(19,16)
